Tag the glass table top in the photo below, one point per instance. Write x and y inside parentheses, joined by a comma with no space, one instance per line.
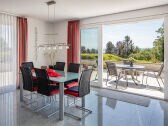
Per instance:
(66,76)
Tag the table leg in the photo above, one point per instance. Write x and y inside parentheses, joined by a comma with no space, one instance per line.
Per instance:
(83,101)
(61,101)
(21,88)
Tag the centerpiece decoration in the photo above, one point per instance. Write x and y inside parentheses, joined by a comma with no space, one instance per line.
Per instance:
(131,60)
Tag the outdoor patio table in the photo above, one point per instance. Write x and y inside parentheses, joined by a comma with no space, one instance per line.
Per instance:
(132,68)
(66,76)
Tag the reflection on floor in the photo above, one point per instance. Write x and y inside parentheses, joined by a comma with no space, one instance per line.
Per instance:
(129,110)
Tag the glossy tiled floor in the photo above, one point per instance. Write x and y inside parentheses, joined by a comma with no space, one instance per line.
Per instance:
(106,112)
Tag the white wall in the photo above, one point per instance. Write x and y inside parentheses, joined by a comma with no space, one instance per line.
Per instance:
(61,29)
(42,28)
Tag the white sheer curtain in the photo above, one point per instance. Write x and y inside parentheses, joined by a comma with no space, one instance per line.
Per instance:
(8,52)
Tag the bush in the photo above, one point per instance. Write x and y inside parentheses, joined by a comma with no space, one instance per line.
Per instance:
(142,55)
(89,56)
(106,57)
(112,57)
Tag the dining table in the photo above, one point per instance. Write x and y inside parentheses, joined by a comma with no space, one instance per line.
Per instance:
(66,77)
(132,69)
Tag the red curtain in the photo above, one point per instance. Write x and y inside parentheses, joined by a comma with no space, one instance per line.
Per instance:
(74,42)
(22,42)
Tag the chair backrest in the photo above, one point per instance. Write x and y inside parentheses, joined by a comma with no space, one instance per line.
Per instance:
(84,82)
(111,68)
(27,78)
(43,81)
(30,65)
(126,61)
(43,67)
(59,66)
(161,69)
(73,67)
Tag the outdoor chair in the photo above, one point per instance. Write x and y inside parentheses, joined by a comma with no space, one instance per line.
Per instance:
(112,71)
(97,70)
(152,74)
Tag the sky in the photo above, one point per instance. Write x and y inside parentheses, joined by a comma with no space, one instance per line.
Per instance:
(89,38)
(142,34)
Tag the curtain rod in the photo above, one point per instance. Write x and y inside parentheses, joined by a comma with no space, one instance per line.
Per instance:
(12,14)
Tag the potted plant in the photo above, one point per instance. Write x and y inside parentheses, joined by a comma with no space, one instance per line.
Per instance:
(131,60)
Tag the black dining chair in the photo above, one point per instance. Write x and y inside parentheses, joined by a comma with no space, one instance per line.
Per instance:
(30,65)
(45,86)
(59,66)
(28,83)
(81,91)
(74,68)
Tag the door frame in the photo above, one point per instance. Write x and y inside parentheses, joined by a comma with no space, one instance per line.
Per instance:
(100,51)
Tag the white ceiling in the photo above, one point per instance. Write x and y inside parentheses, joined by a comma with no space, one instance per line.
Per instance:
(74,9)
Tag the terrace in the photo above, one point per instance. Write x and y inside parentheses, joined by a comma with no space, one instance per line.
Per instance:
(150,89)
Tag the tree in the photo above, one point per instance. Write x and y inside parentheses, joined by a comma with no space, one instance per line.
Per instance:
(128,46)
(125,47)
(158,44)
(83,49)
(110,48)
(136,49)
(119,47)
(88,50)
(93,51)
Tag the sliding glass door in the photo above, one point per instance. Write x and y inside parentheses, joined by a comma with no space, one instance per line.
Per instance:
(90,39)
(136,44)
(8,51)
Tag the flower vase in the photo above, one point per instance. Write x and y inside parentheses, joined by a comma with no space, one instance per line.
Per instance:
(131,64)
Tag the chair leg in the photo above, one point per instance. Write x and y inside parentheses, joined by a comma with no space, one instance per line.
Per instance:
(158,82)
(107,79)
(146,79)
(136,74)
(30,99)
(126,78)
(142,79)
(117,79)
(81,108)
(45,105)
(162,80)
(96,76)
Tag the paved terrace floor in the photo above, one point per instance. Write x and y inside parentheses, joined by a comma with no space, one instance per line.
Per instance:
(151,89)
